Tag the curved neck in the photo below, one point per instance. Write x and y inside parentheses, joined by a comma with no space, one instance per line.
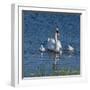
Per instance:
(56,37)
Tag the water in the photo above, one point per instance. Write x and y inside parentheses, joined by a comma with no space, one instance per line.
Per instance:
(37,27)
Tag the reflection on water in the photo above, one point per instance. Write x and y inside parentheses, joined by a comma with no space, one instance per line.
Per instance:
(52,64)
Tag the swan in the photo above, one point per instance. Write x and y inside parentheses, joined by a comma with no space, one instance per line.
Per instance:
(70,48)
(54,44)
(42,49)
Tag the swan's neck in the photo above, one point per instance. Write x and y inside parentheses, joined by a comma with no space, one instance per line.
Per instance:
(56,40)
(56,37)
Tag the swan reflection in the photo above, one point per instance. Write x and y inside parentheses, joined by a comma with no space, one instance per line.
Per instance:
(56,59)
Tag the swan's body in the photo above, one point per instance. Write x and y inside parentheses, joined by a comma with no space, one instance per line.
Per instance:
(70,48)
(42,49)
(54,44)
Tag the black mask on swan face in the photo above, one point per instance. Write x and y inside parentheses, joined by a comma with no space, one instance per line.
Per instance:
(57,31)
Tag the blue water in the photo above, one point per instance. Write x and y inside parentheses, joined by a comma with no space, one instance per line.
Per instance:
(37,27)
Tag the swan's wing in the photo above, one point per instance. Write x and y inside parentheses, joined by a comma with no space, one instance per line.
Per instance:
(51,44)
(70,47)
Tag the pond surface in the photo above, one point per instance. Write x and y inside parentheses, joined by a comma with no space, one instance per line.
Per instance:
(49,63)
(37,28)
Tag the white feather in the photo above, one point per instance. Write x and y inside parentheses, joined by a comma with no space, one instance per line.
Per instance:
(42,49)
(70,48)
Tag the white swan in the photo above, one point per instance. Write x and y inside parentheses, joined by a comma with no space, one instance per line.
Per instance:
(42,49)
(70,48)
(54,44)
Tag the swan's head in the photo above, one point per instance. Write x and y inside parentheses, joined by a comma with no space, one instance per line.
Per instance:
(57,30)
